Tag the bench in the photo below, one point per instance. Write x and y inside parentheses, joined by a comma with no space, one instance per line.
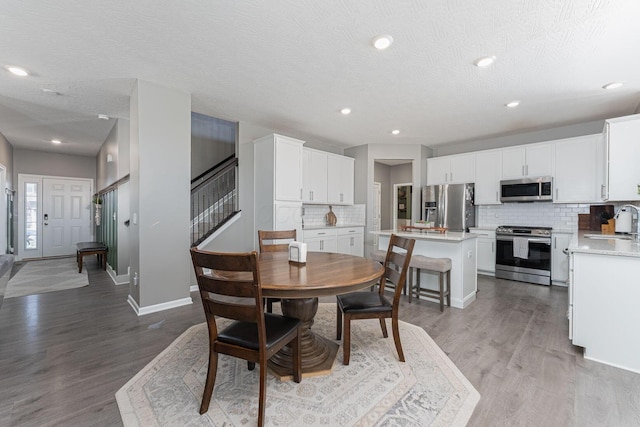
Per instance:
(92,248)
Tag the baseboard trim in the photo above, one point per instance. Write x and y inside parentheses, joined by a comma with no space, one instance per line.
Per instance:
(194,288)
(141,311)
(122,279)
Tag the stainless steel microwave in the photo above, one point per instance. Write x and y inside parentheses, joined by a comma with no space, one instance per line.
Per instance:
(527,190)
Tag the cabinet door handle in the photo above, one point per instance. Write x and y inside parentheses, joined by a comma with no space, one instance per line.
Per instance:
(451,176)
(556,193)
(341,197)
(555,243)
(321,244)
(527,169)
(522,170)
(301,194)
(497,196)
(493,247)
(445,177)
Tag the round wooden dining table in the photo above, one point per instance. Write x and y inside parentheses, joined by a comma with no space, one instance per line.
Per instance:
(299,287)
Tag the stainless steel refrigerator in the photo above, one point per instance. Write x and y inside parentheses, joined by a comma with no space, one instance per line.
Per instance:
(449,205)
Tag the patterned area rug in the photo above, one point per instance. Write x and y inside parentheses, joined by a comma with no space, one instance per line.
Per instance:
(37,277)
(374,390)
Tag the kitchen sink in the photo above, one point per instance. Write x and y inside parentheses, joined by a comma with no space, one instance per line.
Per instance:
(608,236)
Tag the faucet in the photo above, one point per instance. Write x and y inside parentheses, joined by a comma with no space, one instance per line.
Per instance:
(637,233)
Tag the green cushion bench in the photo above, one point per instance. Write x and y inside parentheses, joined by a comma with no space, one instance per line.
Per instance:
(92,248)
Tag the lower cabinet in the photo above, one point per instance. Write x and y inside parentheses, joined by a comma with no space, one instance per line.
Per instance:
(560,259)
(340,240)
(486,251)
(323,240)
(351,241)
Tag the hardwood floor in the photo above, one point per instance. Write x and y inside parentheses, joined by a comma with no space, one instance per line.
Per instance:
(63,356)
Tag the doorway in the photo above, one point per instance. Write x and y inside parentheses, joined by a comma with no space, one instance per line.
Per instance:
(402,202)
(54,213)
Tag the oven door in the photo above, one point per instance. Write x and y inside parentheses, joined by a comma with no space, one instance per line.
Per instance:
(538,262)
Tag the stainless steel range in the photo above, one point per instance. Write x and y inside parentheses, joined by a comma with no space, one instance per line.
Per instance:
(524,254)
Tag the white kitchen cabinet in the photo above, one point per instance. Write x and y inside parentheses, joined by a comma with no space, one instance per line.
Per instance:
(560,259)
(605,308)
(314,176)
(321,240)
(486,251)
(532,160)
(488,175)
(578,172)
(340,179)
(458,169)
(277,169)
(622,136)
(351,241)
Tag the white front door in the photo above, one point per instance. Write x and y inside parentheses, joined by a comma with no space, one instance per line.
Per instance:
(54,213)
(66,213)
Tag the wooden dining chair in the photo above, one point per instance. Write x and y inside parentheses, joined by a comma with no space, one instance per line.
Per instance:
(265,236)
(231,290)
(375,305)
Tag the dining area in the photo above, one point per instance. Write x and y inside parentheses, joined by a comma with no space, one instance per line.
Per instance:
(263,308)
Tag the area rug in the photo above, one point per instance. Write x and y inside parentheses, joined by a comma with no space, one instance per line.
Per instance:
(374,390)
(49,275)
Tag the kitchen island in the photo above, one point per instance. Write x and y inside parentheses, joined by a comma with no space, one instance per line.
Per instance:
(604,293)
(458,246)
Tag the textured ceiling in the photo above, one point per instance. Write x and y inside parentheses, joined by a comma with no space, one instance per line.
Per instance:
(293,64)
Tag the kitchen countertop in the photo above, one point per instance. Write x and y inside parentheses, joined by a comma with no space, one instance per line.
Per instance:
(448,236)
(612,246)
(322,227)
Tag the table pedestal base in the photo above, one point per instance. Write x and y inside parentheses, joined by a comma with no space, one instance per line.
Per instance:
(318,353)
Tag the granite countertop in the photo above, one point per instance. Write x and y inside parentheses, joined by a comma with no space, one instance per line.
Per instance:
(322,227)
(448,236)
(604,246)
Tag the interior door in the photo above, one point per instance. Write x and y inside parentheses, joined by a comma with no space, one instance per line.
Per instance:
(66,215)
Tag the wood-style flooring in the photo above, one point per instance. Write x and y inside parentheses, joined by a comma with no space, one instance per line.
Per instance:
(63,356)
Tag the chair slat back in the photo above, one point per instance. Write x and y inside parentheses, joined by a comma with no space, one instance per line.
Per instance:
(229,285)
(272,236)
(398,257)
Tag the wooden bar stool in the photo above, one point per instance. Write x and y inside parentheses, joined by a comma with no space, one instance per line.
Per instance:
(440,266)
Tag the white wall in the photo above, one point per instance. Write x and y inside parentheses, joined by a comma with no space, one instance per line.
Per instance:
(52,164)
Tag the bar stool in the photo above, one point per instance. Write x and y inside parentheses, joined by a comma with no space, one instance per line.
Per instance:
(440,266)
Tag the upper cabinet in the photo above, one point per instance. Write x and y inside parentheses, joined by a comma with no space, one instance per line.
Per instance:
(622,137)
(488,175)
(278,159)
(532,160)
(579,169)
(456,169)
(314,176)
(340,179)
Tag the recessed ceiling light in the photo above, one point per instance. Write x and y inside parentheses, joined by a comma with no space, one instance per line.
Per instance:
(485,61)
(346,111)
(382,42)
(17,70)
(50,92)
(512,104)
(56,141)
(103,117)
(395,131)
(612,85)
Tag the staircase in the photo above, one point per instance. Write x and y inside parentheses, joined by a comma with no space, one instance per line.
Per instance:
(214,199)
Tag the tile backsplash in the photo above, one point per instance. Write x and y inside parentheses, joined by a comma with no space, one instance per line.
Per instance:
(560,216)
(314,215)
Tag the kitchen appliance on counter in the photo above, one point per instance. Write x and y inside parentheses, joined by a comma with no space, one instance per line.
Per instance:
(623,221)
(527,190)
(449,206)
(524,254)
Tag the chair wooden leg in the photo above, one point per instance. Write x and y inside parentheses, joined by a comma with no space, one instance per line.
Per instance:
(338,322)
(251,365)
(396,337)
(346,342)
(269,305)
(410,284)
(210,382)
(418,283)
(263,392)
(383,326)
